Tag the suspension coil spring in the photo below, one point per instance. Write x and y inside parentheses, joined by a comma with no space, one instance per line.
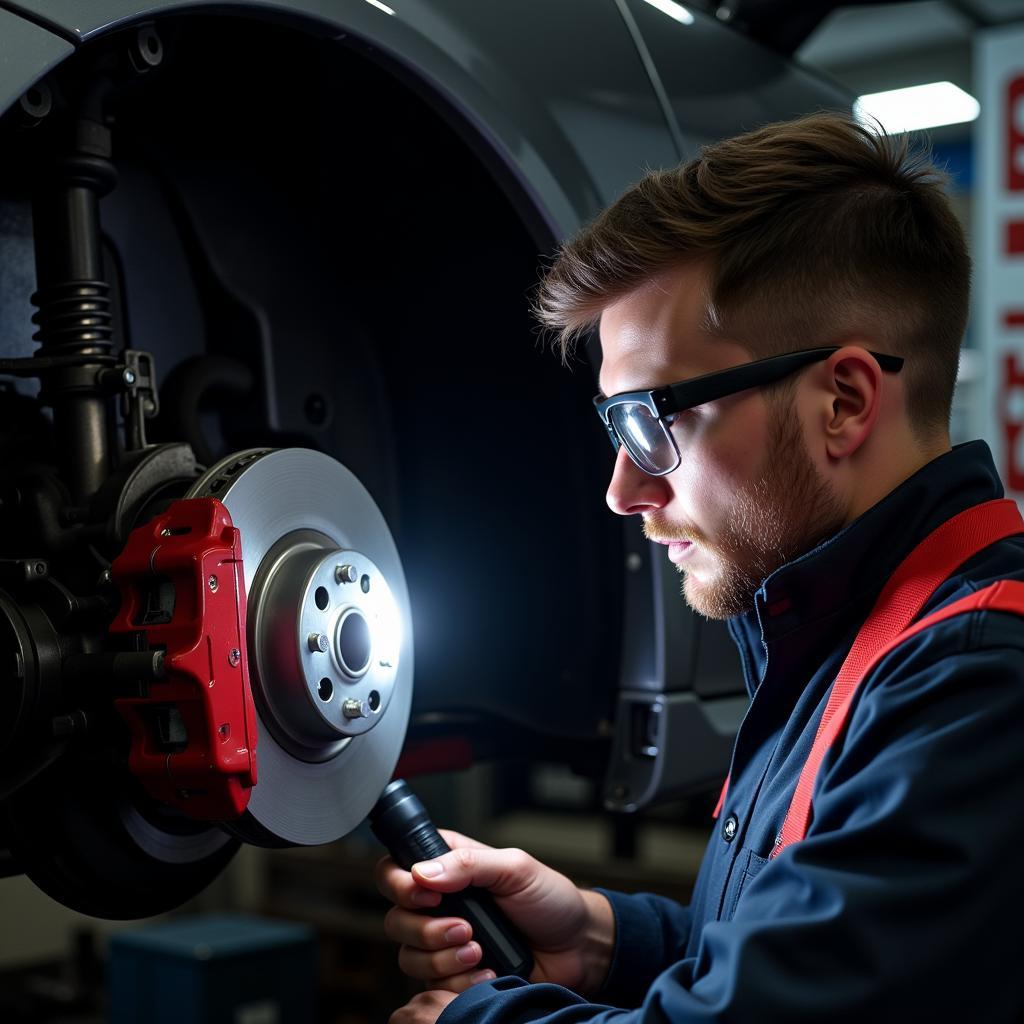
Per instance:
(74,314)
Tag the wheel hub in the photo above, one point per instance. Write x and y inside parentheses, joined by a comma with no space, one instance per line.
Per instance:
(327,650)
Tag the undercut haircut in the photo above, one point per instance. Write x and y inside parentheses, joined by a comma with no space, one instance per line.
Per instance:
(814,232)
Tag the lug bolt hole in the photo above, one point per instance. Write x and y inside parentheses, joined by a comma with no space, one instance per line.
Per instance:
(325,690)
(373,700)
(365,584)
(322,598)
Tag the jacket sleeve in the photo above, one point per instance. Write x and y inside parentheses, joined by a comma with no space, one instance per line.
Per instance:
(903,902)
(651,933)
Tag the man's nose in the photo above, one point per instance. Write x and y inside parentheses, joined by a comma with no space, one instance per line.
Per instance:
(631,490)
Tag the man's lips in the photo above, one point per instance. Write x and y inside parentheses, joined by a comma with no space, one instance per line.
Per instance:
(677,549)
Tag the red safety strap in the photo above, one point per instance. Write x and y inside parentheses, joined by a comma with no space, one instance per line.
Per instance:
(915,580)
(1005,596)
(906,593)
(721,799)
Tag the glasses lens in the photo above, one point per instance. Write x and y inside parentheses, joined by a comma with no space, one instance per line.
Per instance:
(645,437)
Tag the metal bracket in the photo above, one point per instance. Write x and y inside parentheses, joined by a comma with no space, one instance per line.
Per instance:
(141,401)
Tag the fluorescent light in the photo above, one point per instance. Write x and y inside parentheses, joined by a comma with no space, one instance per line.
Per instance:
(920,106)
(380,6)
(673,10)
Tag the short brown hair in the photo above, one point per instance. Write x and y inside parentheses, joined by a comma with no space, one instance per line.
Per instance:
(812,230)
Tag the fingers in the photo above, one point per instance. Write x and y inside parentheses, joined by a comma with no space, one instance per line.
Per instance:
(401,888)
(398,886)
(408,928)
(440,965)
(460,982)
(424,1008)
(441,951)
(437,951)
(504,872)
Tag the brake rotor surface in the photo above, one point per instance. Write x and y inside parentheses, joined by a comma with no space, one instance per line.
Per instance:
(329,641)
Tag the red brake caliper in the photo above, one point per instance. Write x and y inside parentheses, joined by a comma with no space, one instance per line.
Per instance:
(194,731)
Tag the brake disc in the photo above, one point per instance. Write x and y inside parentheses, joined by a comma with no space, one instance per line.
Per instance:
(329,641)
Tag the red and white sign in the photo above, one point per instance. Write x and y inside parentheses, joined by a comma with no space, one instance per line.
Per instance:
(998,321)
(1014,124)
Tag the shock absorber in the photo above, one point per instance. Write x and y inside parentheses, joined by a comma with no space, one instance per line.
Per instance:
(73,297)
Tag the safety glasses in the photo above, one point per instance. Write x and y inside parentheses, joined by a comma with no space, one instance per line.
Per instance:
(636,420)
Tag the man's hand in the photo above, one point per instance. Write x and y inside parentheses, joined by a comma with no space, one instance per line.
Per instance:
(571,932)
(422,1009)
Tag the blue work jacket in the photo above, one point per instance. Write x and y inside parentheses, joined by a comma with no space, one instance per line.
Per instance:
(905,901)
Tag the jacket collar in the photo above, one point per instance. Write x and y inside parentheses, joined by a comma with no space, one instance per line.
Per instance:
(809,604)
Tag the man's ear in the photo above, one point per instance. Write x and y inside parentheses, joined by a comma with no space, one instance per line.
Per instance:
(853,381)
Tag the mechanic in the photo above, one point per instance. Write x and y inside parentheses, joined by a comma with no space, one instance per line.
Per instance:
(788,495)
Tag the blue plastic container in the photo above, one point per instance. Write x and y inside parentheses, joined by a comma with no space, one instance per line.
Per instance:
(222,969)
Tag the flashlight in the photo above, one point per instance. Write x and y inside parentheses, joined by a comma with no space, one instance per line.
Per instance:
(402,824)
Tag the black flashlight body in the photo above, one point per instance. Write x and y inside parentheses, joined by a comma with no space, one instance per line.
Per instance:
(400,821)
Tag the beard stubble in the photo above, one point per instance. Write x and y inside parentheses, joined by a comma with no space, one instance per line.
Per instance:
(786,511)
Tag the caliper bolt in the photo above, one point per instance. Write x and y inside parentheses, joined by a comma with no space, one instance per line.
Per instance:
(319,643)
(129,377)
(213,584)
(346,574)
(234,657)
(353,708)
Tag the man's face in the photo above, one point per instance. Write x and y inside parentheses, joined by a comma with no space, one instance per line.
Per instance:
(747,497)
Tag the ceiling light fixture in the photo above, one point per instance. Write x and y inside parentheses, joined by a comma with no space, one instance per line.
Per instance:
(676,11)
(920,106)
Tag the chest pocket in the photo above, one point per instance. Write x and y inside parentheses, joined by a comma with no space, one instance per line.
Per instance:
(748,866)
